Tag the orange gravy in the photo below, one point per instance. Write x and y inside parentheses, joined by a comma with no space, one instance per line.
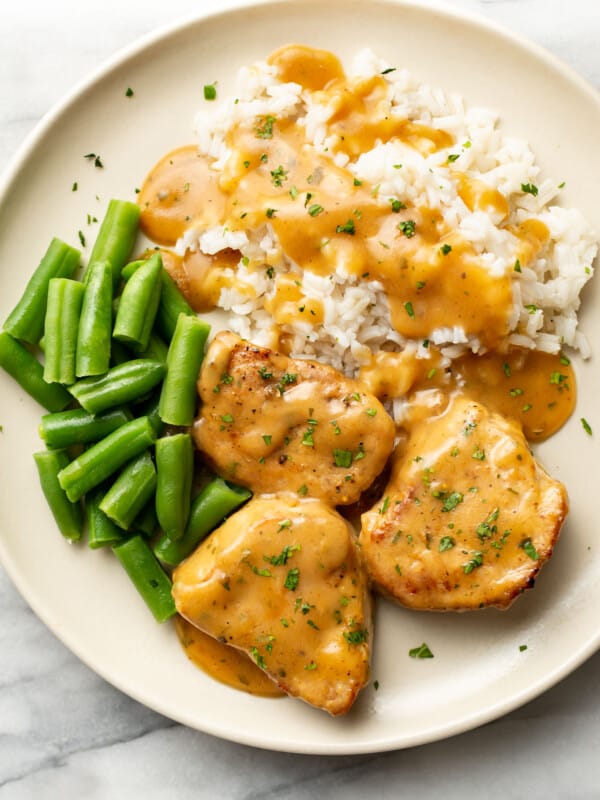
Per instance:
(224,663)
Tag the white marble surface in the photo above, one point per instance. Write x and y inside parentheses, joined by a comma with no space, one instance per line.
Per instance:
(64,732)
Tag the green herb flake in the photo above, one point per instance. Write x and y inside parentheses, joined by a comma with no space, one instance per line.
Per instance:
(473,563)
(478,454)
(408,307)
(81,238)
(522,648)
(384,506)
(357,182)
(278,176)
(422,651)
(453,157)
(487,528)
(348,227)
(129,92)
(529,188)
(407,227)
(452,501)
(210,91)
(267,438)
(259,660)
(371,412)
(356,637)
(517,266)
(446,543)
(586,426)
(311,666)
(292,579)
(74,187)
(342,458)
(445,249)
(397,205)
(264,127)
(315,209)
(283,557)
(307,438)
(529,548)
(227,418)
(270,212)
(303,490)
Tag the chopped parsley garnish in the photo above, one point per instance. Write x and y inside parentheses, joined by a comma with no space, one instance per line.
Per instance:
(96,159)
(81,238)
(388,70)
(407,227)
(348,227)
(487,528)
(279,175)
(303,606)
(445,249)
(453,157)
(303,490)
(285,523)
(260,662)
(522,648)
(371,412)
(315,209)
(478,454)
(517,267)
(384,506)
(558,378)
(287,552)
(74,187)
(506,369)
(586,426)
(227,418)
(446,543)
(454,499)
(210,91)
(422,651)
(473,563)
(528,546)
(270,212)
(529,188)
(263,573)
(264,373)
(226,378)
(129,92)
(408,307)
(357,182)
(267,438)
(342,458)
(294,192)
(312,624)
(311,666)
(356,637)
(264,127)
(397,205)
(292,579)
(286,380)
(307,439)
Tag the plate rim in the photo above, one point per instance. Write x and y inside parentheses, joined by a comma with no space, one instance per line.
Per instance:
(11,172)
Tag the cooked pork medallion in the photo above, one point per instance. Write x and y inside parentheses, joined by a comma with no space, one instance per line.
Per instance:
(282,580)
(468,518)
(274,423)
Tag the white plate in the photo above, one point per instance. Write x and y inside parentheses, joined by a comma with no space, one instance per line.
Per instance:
(478,672)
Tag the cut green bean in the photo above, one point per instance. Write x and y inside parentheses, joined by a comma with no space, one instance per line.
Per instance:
(138,305)
(102,531)
(124,383)
(156,349)
(209,508)
(24,367)
(147,576)
(175,469)
(26,320)
(129,269)
(146,521)
(61,325)
(186,351)
(172,302)
(105,457)
(68,515)
(116,236)
(95,322)
(131,491)
(78,426)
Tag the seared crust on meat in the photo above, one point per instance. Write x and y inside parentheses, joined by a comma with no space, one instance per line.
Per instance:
(468,518)
(273,423)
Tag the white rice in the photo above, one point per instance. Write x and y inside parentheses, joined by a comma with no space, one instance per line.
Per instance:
(357,319)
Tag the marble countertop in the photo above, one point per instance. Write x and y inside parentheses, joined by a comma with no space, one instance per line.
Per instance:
(64,732)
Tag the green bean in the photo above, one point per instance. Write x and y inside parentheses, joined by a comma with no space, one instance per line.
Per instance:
(147,576)
(215,501)
(172,302)
(65,297)
(24,367)
(186,351)
(101,530)
(78,426)
(116,236)
(105,457)
(156,349)
(149,408)
(68,515)
(26,320)
(95,322)
(132,267)
(124,383)
(175,469)
(146,521)
(138,305)
(131,491)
